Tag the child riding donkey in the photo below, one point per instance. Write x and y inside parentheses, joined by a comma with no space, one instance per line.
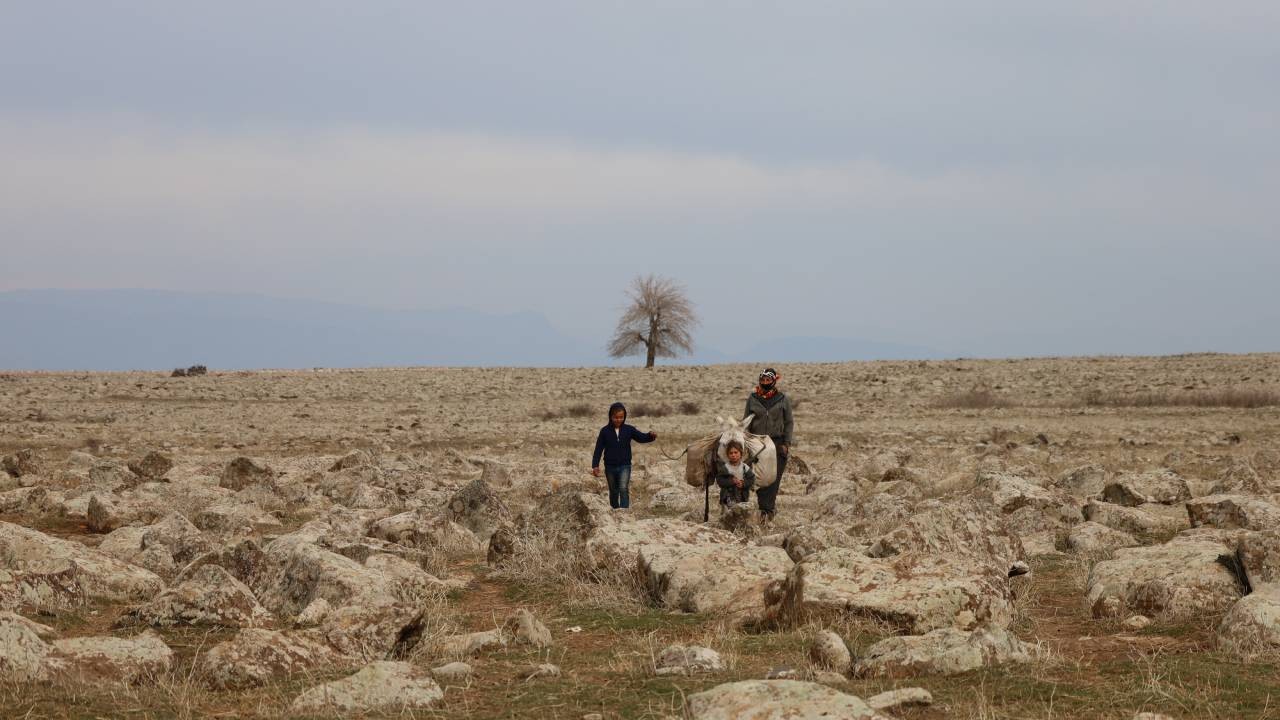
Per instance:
(735,477)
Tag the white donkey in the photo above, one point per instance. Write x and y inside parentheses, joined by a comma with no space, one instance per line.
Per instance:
(758,450)
(699,470)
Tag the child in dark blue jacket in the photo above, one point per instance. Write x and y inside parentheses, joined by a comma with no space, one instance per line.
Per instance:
(614,442)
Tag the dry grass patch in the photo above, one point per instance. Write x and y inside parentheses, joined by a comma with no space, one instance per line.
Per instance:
(579,410)
(975,399)
(1225,398)
(548,560)
(657,410)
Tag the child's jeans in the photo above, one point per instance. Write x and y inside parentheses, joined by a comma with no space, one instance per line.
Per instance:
(619,479)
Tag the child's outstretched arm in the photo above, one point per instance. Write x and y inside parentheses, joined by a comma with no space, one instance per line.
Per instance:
(644,437)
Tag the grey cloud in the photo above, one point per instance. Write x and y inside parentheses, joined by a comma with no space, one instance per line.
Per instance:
(989,178)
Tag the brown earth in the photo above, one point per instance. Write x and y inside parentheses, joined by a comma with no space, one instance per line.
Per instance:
(944,420)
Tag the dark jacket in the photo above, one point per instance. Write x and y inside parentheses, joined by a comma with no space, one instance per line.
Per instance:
(616,447)
(729,493)
(772,417)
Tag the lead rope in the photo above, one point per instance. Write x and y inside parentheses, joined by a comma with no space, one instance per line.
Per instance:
(707,501)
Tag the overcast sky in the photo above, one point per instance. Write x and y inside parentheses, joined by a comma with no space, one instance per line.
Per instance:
(984,178)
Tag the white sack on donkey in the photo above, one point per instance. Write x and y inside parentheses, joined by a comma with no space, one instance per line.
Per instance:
(759,452)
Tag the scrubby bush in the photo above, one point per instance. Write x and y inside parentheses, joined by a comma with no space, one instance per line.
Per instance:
(649,410)
(976,399)
(192,371)
(580,410)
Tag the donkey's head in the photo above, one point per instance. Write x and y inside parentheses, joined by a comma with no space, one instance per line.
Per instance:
(731,430)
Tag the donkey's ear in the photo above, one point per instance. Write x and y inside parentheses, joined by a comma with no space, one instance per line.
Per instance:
(746,421)
(719,420)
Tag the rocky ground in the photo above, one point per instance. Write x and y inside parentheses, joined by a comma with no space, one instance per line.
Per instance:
(1084,538)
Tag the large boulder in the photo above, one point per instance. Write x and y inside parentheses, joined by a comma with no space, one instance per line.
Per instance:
(617,543)
(45,587)
(111,476)
(24,654)
(495,473)
(177,535)
(353,459)
(152,467)
(946,651)
(126,544)
(22,462)
(365,549)
(673,554)
(969,528)
(362,486)
(1233,511)
(478,507)
(872,515)
(1091,538)
(382,687)
(1259,556)
(374,631)
(372,497)
(211,596)
(728,578)
(343,523)
(1184,578)
(257,656)
(29,652)
(419,529)
(33,500)
(163,548)
(1241,477)
(242,472)
(565,517)
(776,700)
(364,609)
(1083,481)
(1009,493)
(38,569)
(234,516)
(127,660)
(1145,520)
(1252,626)
(1163,487)
(107,512)
(915,592)
(805,540)
(245,560)
(678,499)
(293,572)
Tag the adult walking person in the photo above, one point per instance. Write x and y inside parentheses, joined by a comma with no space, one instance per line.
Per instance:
(771,411)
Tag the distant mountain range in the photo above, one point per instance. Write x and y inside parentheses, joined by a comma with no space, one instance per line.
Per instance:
(160,330)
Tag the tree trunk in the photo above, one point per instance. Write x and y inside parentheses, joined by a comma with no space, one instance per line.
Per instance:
(652,345)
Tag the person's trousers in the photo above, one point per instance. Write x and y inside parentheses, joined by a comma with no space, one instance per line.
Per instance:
(619,479)
(767,496)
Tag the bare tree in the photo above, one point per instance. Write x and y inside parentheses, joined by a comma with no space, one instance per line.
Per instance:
(658,321)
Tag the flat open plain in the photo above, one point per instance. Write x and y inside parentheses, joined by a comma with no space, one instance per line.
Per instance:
(410,515)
